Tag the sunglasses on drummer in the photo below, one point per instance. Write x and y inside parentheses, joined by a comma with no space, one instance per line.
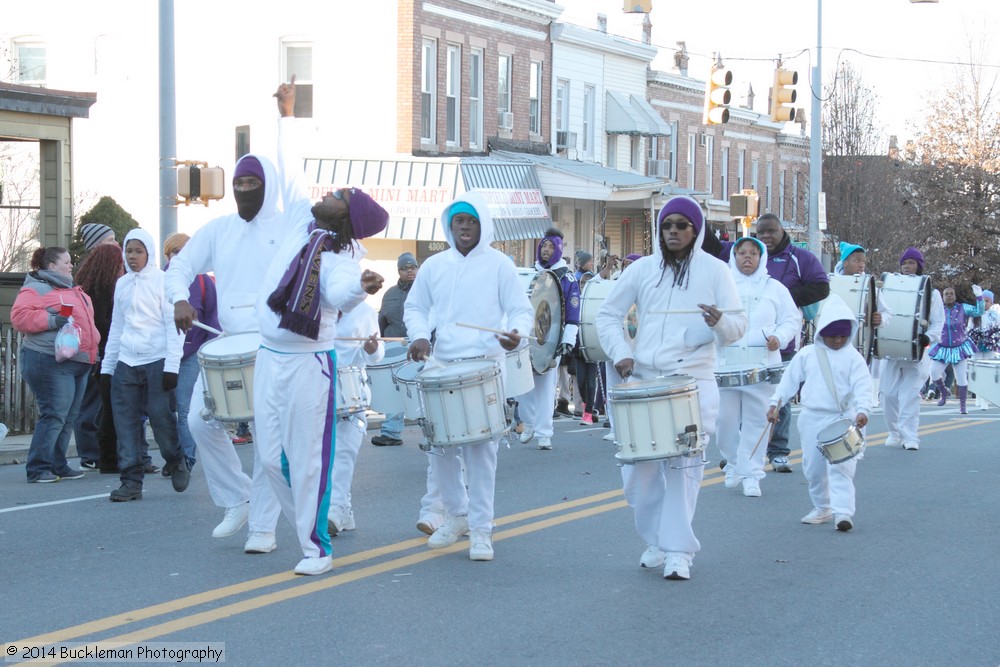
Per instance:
(681,225)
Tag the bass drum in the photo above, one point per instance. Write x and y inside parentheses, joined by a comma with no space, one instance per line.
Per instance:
(909,300)
(858,292)
(592,297)
(545,294)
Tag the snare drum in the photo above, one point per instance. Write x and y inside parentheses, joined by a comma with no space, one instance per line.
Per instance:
(519,378)
(406,380)
(774,373)
(740,376)
(984,379)
(352,392)
(227,375)
(592,297)
(656,419)
(463,402)
(840,441)
(386,396)
(909,300)
(858,292)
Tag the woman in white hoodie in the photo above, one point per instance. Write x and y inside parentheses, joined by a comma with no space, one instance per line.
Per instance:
(774,321)
(831,486)
(679,276)
(140,362)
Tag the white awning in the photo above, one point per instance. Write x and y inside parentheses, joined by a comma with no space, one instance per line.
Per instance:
(631,114)
(560,177)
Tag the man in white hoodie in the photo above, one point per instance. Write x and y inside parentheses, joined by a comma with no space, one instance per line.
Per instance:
(470,283)
(686,301)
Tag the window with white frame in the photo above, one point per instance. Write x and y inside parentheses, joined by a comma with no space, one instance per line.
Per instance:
(754,168)
(476,99)
(741,170)
(612,151)
(589,95)
(634,152)
(297,56)
(674,158)
(562,105)
(781,194)
(709,164)
(504,81)
(453,93)
(651,150)
(725,174)
(768,175)
(535,98)
(29,61)
(691,159)
(428,89)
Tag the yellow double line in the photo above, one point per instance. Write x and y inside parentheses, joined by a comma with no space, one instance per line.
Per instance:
(564,513)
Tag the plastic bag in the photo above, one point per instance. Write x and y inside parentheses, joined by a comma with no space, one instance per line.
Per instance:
(67,341)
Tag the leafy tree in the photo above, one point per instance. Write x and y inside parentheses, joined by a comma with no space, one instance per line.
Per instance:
(105,212)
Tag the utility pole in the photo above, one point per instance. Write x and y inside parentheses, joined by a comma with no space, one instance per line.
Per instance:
(168,123)
(815,140)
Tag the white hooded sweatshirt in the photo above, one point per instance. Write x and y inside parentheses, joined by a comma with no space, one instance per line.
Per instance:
(769,305)
(848,369)
(481,288)
(142,322)
(677,343)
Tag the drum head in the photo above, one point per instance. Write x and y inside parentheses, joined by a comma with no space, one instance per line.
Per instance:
(230,345)
(834,431)
(407,373)
(461,370)
(545,294)
(661,386)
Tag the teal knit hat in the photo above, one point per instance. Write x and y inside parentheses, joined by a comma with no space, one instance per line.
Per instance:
(848,249)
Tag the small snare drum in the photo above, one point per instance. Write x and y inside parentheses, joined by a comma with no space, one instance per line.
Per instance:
(840,441)
(386,396)
(406,379)
(352,392)
(463,402)
(656,419)
(519,379)
(227,364)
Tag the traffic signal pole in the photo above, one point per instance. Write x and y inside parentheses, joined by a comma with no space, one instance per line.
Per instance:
(815,139)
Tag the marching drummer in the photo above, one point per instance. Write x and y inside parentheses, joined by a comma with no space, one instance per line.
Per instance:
(475,283)
(536,407)
(835,384)
(678,276)
(774,321)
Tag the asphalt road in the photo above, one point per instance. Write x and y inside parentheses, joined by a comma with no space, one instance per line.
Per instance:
(915,583)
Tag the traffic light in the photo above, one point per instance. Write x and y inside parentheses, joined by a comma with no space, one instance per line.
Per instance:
(717,96)
(782,93)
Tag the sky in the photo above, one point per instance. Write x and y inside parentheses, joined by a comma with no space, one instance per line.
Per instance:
(904,51)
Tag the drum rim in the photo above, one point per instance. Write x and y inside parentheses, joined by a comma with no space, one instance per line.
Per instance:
(229,338)
(618,393)
(419,365)
(840,434)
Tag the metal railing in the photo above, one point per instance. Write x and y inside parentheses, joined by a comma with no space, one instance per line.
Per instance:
(17,403)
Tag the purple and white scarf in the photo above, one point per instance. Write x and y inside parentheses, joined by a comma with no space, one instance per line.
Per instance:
(297,297)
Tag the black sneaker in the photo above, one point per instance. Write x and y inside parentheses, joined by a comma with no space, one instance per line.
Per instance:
(180,476)
(386,441)
(125,493)
(88,465)
(44,478)
(69,473)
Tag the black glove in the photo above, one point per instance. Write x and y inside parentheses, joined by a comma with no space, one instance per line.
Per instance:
(169,381)
(105,384)
(564,349)
(924,340)
(61,321)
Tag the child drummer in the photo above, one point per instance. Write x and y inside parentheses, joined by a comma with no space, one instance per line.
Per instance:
(837,385)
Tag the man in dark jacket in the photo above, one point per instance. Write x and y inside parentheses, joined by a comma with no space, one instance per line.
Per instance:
(390,324)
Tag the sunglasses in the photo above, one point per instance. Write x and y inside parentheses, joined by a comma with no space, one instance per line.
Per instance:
(680,225)
(339,194)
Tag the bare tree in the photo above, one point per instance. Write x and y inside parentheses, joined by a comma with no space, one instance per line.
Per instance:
(20,205)
(954,179)
(850,125)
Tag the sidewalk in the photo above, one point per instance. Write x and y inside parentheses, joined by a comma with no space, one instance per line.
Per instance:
(14,448)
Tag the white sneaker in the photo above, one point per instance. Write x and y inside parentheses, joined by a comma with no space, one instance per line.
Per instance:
(313,566)
(480,545)
(235,518)
(751,487)
(843,522)
(911,446)
(545,443)
(652,557)
(259,542)
(449,532)
(342,518)
(527,434)
(429,523)
(893,441)
(610,436)
(677,568)
(818,516)
(732,480)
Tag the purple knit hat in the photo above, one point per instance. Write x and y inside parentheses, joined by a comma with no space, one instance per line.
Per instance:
(556,253)
(634,256)
(687,207)
(368,218)
(249,166)
(914,254)
(837,328)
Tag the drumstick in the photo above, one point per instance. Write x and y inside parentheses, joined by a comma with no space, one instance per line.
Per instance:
(693,311)
(243,305)
(496,331)
(390,339)
(769,427)
(207,328)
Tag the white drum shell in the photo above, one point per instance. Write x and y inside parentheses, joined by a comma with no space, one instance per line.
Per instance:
(908,299)
(227,365)
(648,423)
(386,395)
(463,403)
(519,378)
(840,441)
(406,380)
(984,379)
(352,391)
(858,292)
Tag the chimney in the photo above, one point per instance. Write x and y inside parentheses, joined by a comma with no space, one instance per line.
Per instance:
(749,102)
(647,30)
(681,58)
(893,147)
(602,23)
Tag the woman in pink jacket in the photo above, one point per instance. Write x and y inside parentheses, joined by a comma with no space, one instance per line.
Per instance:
(40,310)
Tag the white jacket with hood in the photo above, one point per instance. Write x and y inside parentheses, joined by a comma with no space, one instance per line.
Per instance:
(142,322)
(848,369)
(238,252)
(770,308)
(672,344)
(481,288)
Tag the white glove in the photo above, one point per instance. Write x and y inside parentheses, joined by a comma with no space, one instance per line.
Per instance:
(977,290)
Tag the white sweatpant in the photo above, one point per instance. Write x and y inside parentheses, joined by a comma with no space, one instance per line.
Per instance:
(228,485)
(481,472)
(830,485)
(744,419)
(350,433)
(432,503)
(536,406)
(295,409)
(901,384)
(663,494)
